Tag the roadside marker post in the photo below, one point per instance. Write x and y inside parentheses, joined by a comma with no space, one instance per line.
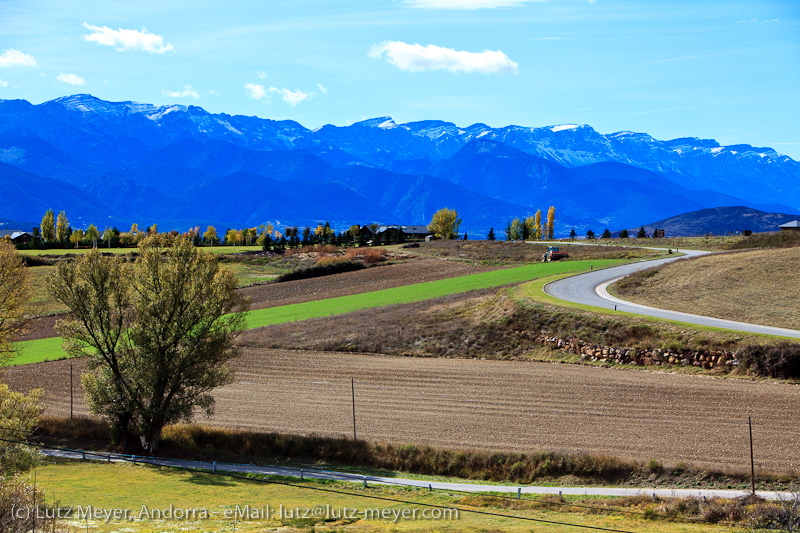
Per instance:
(752,464)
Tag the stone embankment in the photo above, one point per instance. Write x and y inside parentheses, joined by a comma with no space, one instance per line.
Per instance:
(642,357)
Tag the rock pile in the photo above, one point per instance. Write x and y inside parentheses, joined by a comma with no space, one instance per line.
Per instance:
(634,356)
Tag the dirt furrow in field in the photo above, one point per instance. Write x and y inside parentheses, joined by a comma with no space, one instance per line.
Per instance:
(499,405)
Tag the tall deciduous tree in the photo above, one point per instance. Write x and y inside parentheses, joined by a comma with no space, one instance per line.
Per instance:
(157,332)
(62,227)
(76,237)
(210,235)
(537,225)
(49,226)
(15,291)
(515,230)
(551,221)
(445,223)
(108,234)
(92,234)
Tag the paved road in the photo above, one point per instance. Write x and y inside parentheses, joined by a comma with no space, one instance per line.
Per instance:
(407,482)
(591,289)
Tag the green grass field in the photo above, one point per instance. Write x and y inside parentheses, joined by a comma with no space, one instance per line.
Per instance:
(75,484)
(50,349)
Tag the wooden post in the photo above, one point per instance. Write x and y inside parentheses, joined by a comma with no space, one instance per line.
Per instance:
(353,390)
(752,464)
(70,390)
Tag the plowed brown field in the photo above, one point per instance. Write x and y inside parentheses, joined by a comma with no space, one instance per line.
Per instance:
(498,405)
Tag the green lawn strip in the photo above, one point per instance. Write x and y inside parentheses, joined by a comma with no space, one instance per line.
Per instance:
(37,351)
(76,484)
(416,292)
(50,349)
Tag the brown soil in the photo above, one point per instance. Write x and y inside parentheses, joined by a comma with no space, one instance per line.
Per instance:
(761,287)
(496,405)
(306,290)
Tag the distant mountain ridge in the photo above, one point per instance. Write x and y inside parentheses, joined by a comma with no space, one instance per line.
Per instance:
(179,163)
(721,221)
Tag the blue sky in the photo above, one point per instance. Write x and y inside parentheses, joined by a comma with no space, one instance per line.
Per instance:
(724,70)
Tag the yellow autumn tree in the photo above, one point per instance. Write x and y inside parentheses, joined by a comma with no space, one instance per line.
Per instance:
(445,223)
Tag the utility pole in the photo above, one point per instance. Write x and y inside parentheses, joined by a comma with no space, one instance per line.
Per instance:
(752,464)
(353,390)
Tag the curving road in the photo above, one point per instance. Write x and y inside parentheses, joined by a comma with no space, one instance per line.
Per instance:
(591,288)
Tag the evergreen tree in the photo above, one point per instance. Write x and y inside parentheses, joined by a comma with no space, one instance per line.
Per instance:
(465,236)
(623,234)
(572,234)
(642,233)
(490,236)
(508,231)
(606,234)
(590,235)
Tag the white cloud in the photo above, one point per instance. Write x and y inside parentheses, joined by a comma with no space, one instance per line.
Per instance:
(466,4)
(71,79)
(127,39)
(15,58)
(418,58)
(322,89)
(3,83)
(187,92)
(292,97)
(261,74)
(259,92)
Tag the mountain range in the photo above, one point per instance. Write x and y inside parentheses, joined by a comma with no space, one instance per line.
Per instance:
(114,163)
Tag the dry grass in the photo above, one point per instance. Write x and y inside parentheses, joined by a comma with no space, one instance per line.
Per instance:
(321,249)
(760,286)
(501,252)
(368,255)
(482,324)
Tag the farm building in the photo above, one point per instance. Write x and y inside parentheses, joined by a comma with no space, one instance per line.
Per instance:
(16,236)
(794,225)
(397,233)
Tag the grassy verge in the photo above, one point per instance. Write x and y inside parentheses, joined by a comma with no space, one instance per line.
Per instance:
(83,484)
(42,350)
(396,459)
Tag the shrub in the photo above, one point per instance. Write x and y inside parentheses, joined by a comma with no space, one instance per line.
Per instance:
(323,268)
(654,466)
(780,360)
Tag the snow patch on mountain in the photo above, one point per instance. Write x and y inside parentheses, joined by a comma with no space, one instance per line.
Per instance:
(564,127)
